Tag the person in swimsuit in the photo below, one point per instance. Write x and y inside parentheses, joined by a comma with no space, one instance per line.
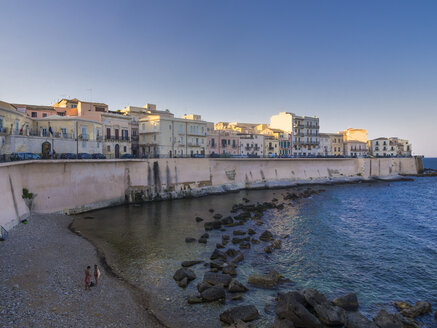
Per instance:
(96,273)
(87,278)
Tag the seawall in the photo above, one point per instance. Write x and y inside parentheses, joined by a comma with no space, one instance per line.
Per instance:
(74,186)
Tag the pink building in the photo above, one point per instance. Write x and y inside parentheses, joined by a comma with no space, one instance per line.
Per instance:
(223,143)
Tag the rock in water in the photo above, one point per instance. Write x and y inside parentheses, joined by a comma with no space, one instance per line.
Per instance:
(217,254)
(217,216)
(357,320)
(202,240)
(217,278)
(237,287)
(183,283)
(277,244)
(387,320)
(190,240)
(213,293)
(269,280)
(349,302)
(327,313)
(199,219)
(245,313)
(410,311)
(187,264)
(201,286)
(291,307)
(194,300)
(184,273)
(266,236)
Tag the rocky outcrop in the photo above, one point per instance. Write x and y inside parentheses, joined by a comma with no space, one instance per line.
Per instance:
(269,280)
(413,311)
(245,313)
(387,320)
(357,320)
(348,302)
(291,307)
(327,313)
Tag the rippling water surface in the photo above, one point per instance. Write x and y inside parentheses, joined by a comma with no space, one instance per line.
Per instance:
(378,240)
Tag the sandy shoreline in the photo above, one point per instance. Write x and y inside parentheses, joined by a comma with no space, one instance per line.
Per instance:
(41,276)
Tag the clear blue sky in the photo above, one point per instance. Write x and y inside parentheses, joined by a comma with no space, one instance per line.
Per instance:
(363,64)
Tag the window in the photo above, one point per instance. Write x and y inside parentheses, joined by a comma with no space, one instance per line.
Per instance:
(169,126)
(203,130)
(124,148)
(181,128)
(44,114)
(143,127)
(99,109)
(181,140)
(1,123)
(34,114)
(154,137)
(108,148)
(64,132)
(212,142)
(44,132)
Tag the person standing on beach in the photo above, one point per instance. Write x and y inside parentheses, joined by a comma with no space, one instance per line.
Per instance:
(96,273)
(87,278)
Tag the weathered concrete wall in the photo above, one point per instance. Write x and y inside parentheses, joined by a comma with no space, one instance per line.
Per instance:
(74,186)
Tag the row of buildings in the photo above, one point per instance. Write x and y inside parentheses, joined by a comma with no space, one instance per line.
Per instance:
(75,126)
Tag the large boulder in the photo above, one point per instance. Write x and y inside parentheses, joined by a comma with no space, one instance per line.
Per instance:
(215,278)
(184,273)
(348,301)
(327,313)
(291,306)
(243,312)
(268,280)
(236,287)
(213,293)
(266,236)
(413,311)
(387,320)
(357,320)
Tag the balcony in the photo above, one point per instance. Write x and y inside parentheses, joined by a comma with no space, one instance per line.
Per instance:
(193,144)
(84,137)
(135,138)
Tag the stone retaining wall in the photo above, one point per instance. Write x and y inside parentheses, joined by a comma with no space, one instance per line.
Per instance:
(74,186)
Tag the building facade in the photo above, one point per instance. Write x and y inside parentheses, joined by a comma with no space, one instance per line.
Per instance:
(271,146)
(251,145)
(304,132)
(223,143)
(163,135)
(389,147)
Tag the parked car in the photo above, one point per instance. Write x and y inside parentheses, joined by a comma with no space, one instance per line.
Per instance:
(198,156)
(84,156)
(127,156)
(214,155)
(98,156)
(24,156)
(68,156)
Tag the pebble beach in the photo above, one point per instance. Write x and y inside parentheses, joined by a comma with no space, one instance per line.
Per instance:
(42,281)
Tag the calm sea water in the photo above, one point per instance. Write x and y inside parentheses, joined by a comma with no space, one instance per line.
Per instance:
(378,240)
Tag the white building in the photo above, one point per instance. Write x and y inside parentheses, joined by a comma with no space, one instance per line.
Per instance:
(163,135)
(355,149)
(325,145)
(305,140)
(251,145)
(388,147)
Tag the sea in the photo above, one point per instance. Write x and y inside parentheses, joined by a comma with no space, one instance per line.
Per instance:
(378,240)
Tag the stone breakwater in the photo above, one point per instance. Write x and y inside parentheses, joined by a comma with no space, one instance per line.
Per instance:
(307,308)
(76,186)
